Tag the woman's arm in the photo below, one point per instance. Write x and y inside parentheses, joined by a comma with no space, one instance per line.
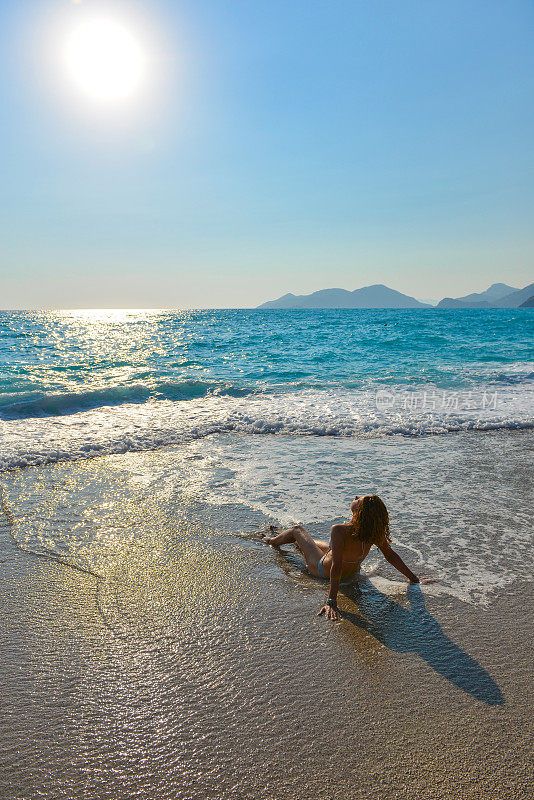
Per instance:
(396,561)
(337,538)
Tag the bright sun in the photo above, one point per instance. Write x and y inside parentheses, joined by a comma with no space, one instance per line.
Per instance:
(104,60)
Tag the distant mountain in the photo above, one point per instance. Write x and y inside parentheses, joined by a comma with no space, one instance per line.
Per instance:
(499,295)
(377,296)
(515,299)
(451,302)
(495,292)
(528,303)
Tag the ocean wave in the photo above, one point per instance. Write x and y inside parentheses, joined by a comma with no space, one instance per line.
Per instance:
(140,427)
(511,378)
(34,403)
(39,404)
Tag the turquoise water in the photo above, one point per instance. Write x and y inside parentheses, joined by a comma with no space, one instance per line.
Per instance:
(130,380)
(282,414)
(59,361)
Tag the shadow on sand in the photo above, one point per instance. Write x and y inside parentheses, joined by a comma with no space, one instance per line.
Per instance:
(413,630)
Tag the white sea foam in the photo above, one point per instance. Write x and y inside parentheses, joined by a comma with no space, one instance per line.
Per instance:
(459,506)
(450,518)
(342,413)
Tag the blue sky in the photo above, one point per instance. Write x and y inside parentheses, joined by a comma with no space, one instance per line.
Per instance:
(281,147)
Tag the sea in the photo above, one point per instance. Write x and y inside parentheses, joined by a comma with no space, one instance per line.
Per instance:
(255,417)
(153,646)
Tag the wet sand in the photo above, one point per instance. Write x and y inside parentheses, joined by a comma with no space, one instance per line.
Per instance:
(198,669)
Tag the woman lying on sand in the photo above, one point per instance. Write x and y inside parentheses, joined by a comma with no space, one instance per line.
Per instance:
(349,544)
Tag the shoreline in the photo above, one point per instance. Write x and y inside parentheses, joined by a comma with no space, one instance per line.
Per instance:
(197,668)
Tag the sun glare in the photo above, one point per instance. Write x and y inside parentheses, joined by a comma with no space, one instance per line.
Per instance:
(104,61)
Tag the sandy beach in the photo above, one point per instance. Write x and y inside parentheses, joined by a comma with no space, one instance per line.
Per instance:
(266,268)
(195,665)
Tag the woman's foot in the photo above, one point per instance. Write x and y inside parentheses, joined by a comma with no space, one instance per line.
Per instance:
(274,529)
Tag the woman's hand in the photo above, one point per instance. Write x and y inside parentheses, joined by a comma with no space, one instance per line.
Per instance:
(330,612)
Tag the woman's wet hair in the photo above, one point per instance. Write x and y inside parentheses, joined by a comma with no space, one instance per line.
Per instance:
(370,521)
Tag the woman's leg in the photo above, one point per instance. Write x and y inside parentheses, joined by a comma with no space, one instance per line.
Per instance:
(311,550)
(280,537)
(323,545)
